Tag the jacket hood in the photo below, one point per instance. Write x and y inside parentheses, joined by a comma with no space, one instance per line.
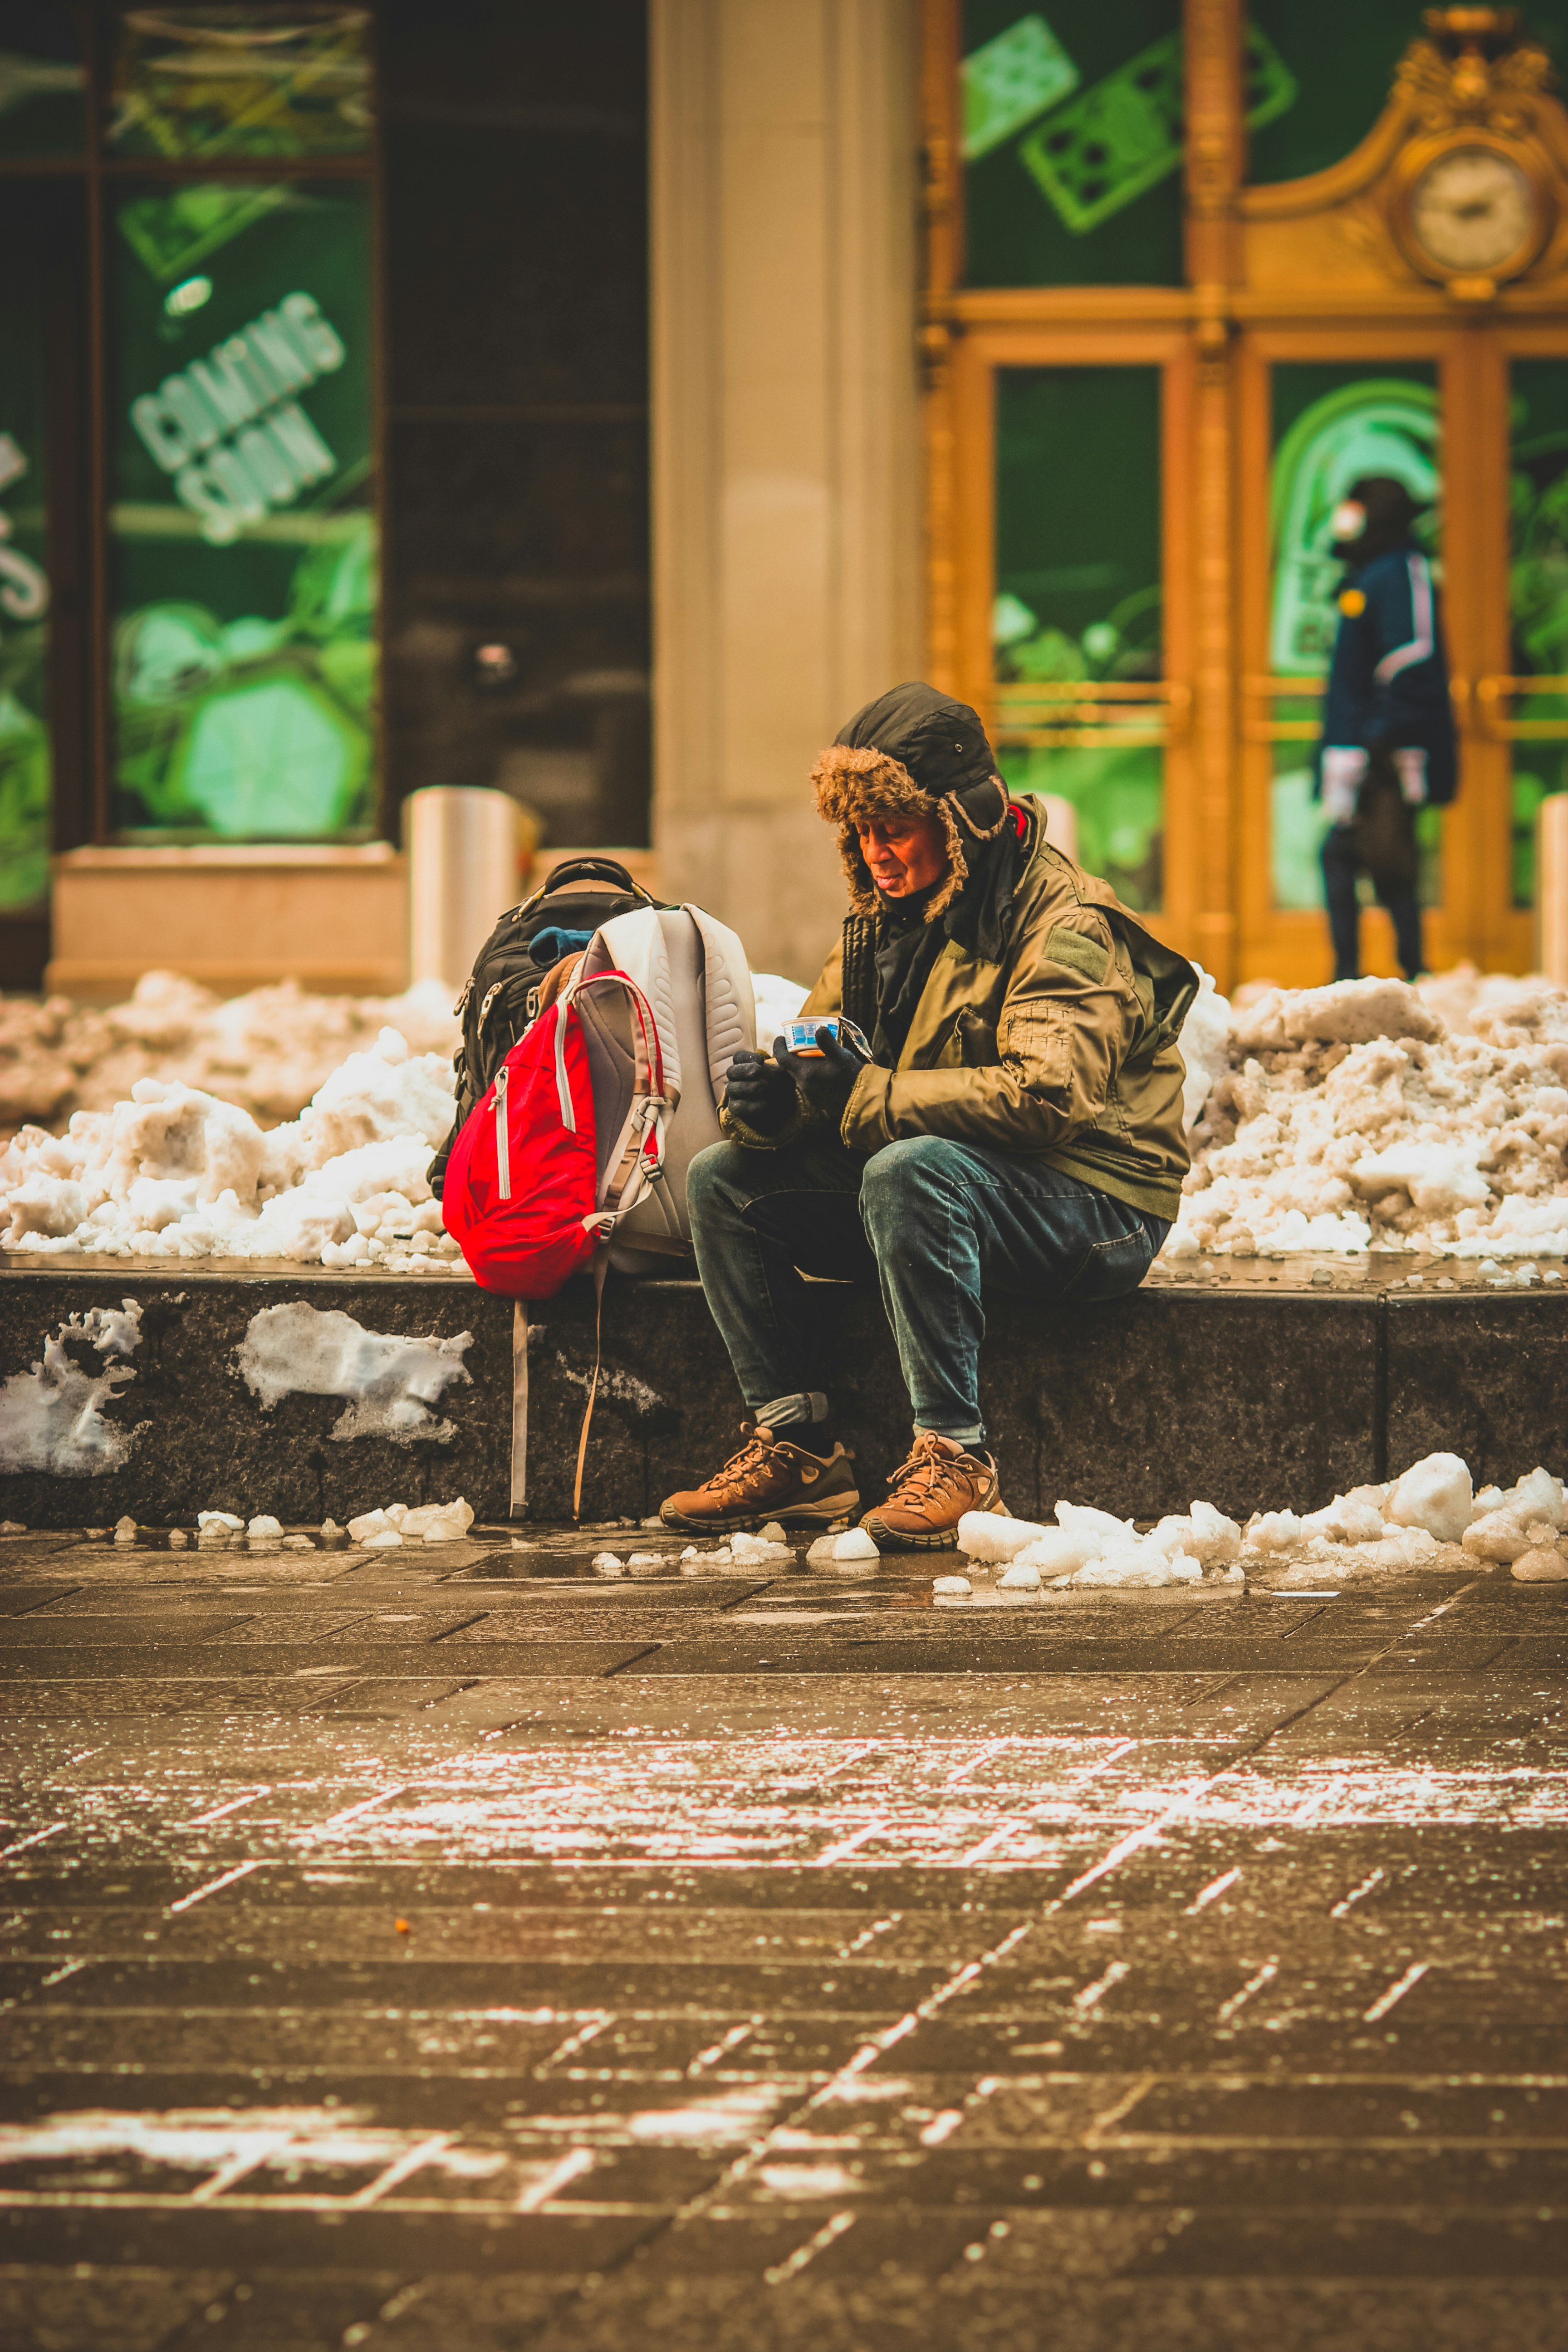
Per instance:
(912,750)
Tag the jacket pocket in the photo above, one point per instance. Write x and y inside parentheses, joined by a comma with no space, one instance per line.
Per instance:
(1036,1038)
(976,1041)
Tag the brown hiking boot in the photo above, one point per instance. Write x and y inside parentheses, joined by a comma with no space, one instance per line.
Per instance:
(768,1480)
(929,1494)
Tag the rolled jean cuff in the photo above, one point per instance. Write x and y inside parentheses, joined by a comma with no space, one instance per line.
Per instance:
(971,1433)
(790,1412)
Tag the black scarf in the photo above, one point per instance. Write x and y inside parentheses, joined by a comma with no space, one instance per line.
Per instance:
(980,917)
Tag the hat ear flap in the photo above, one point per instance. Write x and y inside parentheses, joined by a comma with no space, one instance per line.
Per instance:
(983,808)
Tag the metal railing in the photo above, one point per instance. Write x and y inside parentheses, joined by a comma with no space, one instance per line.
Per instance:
(1494,693)
(1280,690)
(1092,714)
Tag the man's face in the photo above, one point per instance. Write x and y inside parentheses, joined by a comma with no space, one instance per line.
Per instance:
(905,853)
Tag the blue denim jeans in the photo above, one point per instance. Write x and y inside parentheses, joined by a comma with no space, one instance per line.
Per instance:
(934,1223)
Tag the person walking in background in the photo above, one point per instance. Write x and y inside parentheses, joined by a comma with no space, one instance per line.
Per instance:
(1387,746)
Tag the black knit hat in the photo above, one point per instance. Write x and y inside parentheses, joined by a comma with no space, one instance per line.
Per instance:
(938,739)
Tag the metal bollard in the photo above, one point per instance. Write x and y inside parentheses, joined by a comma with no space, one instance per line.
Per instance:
(465,854)
(1551,888)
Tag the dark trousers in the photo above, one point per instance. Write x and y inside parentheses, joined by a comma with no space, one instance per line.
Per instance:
(1341,867)
(931,1222)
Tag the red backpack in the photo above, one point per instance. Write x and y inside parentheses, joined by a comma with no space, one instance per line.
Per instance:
(523,1196)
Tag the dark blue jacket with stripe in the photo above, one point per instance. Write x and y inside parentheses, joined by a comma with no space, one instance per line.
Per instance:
(1388,681)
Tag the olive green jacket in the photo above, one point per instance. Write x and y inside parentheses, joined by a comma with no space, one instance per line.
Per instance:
(1066,1052)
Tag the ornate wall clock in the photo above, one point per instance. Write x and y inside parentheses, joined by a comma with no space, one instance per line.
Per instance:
(1471,209)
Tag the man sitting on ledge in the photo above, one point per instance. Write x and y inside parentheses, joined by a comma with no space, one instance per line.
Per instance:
(1019,1126)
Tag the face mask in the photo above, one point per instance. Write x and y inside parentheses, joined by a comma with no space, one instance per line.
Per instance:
(1349,520)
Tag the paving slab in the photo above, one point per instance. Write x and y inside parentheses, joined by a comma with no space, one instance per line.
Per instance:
(473,1952)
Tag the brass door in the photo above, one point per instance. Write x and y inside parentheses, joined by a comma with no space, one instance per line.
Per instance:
(1085,687)
(1277,313)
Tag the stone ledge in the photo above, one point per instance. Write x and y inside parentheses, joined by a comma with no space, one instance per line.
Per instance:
(1251,1397)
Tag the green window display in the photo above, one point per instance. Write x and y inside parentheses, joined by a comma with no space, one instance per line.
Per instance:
(26,765)
(1078,605)
(1073,140)
(43,84)
(1538,598)
(1332,422)
(241,529)
(203,82)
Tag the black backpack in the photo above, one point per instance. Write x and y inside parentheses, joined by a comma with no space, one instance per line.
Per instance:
(500,996)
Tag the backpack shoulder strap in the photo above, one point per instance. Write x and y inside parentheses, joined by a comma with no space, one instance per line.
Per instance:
(631,1160)
(635,944)
(729,1001)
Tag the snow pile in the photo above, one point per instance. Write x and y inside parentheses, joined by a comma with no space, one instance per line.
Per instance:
(1411,1521)
(741,1550)
(390,1381)
(1206,1046)
(853,1544)
(51,1418)
(166,1153)
(269,1052)
(1407,1522)
(1458,997)
(175,1173)
(385,1529)
(778,1002)
(1088,1547)
(1350,1117)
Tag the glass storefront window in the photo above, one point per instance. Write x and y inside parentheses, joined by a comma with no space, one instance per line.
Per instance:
(1331,422)
(25,746)
(43,84)
(1076,620)
(1538,598)
(1073,140)
(241,525)
(203,82)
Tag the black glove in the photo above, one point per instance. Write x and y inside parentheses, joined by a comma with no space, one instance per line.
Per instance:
(825,1084)
(759,1094)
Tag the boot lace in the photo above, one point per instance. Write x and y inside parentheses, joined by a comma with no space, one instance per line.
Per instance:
(927,1473)
(751,1462)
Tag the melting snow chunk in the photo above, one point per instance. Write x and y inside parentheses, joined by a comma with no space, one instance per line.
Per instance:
(1434,1494)
(390,1382)
(51,1418)
(1540,1566)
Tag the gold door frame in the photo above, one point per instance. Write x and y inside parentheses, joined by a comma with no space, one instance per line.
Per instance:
(1307,269)
(977,360)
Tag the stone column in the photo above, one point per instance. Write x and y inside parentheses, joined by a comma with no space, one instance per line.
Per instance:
(786,461)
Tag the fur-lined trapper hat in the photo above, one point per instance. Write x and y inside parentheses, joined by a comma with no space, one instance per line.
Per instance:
(912,749)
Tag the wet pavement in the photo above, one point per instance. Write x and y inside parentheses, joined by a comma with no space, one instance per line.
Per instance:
(451,1947)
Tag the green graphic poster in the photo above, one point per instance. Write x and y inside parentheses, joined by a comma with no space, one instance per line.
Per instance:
(242,532)
(25,751)
(1079,599)
(1538,598)
(1332,423)
(1073,140)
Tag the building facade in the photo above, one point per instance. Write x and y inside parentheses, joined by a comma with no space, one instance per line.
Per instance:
(601,404)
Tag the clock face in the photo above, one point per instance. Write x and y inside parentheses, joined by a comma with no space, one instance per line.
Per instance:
(1473,210)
